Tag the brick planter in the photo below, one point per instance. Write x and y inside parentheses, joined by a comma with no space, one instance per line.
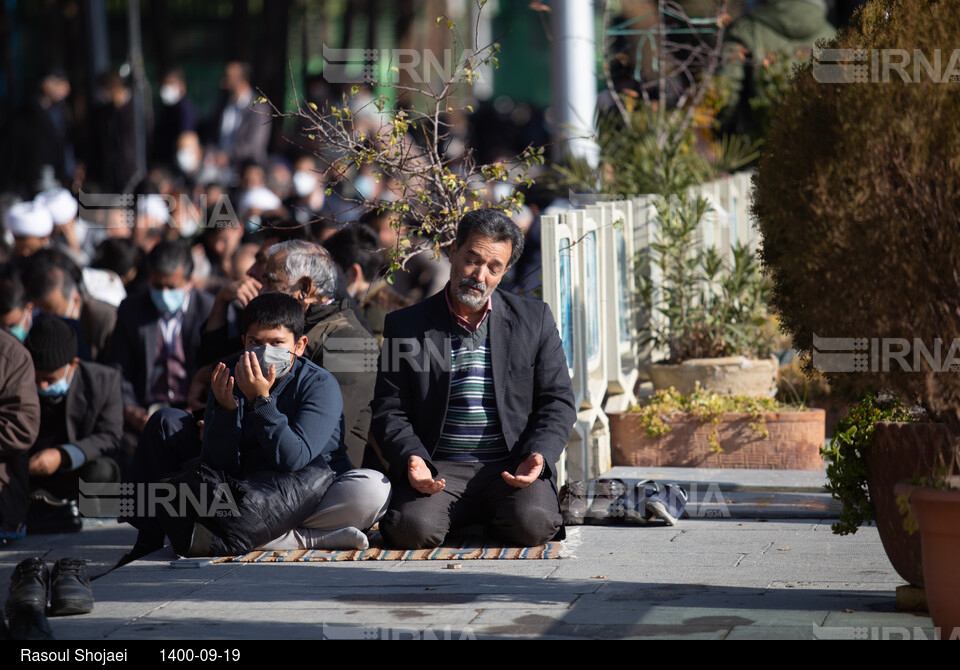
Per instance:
(793,444)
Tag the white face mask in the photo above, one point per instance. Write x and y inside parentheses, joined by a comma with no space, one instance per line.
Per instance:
(188,160)
(170,94)
(269,355)
(365,186)
(501,191)
(304,183)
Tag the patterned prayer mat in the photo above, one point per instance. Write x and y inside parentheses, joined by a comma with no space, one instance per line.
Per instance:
(467,552)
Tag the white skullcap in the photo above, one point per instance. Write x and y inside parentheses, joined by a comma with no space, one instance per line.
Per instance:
(153,206)
(29,219)
(104,285)
(61,204)
(260,198)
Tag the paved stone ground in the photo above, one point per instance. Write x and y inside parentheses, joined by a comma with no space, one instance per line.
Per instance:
(714,578)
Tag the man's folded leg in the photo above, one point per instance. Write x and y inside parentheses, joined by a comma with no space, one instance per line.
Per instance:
(525,517)
(419,521)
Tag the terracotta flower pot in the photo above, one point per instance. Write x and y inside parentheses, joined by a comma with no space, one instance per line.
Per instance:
(938,515)
(899,452)
(792,442)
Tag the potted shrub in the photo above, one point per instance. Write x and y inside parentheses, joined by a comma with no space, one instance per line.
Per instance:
(857,199)
(877,444)
(709,316)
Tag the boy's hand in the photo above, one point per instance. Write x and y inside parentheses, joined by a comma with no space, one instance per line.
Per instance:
(223,387)
(250,379)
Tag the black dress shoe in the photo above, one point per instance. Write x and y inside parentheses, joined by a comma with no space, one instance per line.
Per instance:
(70,591)
(28,623)
(29,585)
(49,514)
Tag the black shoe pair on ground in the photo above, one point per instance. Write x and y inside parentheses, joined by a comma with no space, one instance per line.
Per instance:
(67,587)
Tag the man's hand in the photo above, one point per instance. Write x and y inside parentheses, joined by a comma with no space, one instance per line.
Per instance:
(527,472)
(420,478)
(222,384)
(45,462)
(135,417)
(242,290)
(250,379)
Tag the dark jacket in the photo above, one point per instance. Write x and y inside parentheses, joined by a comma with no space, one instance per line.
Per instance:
(133,345)
(19,425)
(94,410)
(253,510)
(303,422)
(338,343)
(97,321)
(534,394)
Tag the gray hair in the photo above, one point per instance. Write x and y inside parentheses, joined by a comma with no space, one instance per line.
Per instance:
(306,259)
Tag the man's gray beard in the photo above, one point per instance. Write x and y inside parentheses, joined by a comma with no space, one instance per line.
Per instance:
(468,299)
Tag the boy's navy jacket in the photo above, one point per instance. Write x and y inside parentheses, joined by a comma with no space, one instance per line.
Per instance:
(303,422)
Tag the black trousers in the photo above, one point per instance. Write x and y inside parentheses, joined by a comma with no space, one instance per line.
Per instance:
(475,493)
(170,441)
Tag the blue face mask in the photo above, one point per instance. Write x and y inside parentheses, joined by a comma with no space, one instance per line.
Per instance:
(19,332)
(168,300)
(58,389)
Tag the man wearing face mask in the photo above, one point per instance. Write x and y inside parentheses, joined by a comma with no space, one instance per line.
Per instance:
(16,311)
(176,116)
(53,284)
(81,424)
(157,335)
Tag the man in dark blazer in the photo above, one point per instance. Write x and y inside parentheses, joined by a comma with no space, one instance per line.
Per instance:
(157,336)
(473,403)
(243,125)
(81,413)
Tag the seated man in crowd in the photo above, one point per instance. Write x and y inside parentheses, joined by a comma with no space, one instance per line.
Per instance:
(356,250)
(16,311)
(336,341)
(81,423)
(19,425)
(275,411)
(157,337)
(473,404)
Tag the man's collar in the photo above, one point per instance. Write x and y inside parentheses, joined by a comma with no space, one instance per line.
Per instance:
(461,320)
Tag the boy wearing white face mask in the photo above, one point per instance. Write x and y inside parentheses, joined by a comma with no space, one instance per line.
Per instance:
(273,411)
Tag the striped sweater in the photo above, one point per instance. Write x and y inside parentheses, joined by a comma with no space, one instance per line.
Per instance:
(471,427)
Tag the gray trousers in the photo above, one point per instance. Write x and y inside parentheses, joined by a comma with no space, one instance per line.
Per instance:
(474,493)
(356,499)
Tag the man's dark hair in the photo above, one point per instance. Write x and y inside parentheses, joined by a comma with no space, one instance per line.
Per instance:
(117,254)
(496,225)
(12,294)
(357,243)
(168,256)
(41,277)
(274,310)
